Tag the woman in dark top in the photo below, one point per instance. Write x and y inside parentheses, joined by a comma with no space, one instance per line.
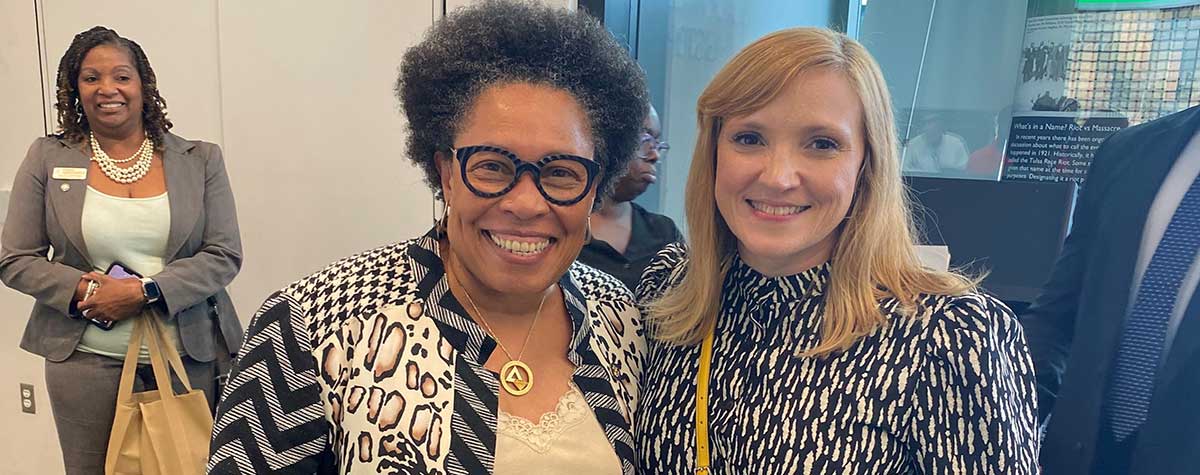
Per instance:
(625,236)
(800,314)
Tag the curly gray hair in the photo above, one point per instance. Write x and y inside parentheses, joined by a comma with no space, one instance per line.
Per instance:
(499,42)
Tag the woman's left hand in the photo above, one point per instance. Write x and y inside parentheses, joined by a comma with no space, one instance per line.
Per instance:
(115,300)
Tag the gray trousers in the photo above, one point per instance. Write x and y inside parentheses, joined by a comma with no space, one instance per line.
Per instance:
(83,398)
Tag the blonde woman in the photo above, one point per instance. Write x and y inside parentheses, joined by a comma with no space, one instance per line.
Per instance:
(800,313)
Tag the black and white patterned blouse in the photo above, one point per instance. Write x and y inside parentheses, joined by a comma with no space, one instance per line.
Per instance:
(372,366)
(950,392)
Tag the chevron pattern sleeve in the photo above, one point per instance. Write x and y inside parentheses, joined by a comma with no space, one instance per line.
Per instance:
(271,418)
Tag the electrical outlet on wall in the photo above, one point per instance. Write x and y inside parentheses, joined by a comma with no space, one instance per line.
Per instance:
(28,404)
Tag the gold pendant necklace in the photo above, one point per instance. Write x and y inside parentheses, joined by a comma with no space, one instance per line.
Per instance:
(515,376)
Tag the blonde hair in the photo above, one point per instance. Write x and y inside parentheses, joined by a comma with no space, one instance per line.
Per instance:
(874,257)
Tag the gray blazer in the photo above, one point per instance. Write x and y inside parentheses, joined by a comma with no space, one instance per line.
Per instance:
(42,251)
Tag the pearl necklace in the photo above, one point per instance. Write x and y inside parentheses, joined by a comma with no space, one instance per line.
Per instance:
(108,165)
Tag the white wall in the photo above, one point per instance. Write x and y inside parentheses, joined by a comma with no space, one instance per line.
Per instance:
(301,100)
(27,440)
(313,137)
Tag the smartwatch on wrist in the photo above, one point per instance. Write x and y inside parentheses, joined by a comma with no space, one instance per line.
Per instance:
(150,290)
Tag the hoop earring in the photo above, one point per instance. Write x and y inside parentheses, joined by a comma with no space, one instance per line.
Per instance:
(440,227)
(587,233)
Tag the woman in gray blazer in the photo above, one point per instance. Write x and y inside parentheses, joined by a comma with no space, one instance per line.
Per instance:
(115,186)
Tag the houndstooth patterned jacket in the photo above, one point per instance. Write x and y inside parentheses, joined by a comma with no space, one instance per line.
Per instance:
(373,366)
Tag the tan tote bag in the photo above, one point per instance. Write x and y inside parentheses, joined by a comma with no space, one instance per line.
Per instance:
(157,432)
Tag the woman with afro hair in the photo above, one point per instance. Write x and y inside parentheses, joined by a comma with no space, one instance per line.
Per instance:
(481,347)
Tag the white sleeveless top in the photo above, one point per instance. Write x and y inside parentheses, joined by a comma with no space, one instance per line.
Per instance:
(566,441)
(132,231)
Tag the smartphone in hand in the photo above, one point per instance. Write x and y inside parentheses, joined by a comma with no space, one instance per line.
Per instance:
(116,271)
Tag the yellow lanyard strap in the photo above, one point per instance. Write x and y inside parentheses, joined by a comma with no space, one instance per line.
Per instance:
(702,376)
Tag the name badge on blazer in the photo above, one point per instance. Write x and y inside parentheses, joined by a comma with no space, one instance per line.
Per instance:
(69,173)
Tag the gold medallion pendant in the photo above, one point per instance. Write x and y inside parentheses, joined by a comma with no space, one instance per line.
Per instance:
(516,378)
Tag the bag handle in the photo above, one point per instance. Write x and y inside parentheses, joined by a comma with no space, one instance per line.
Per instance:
(129,367)
(169,354)
(162,362)
(147,328)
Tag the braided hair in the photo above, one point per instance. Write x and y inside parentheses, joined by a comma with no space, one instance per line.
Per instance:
(72,121)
